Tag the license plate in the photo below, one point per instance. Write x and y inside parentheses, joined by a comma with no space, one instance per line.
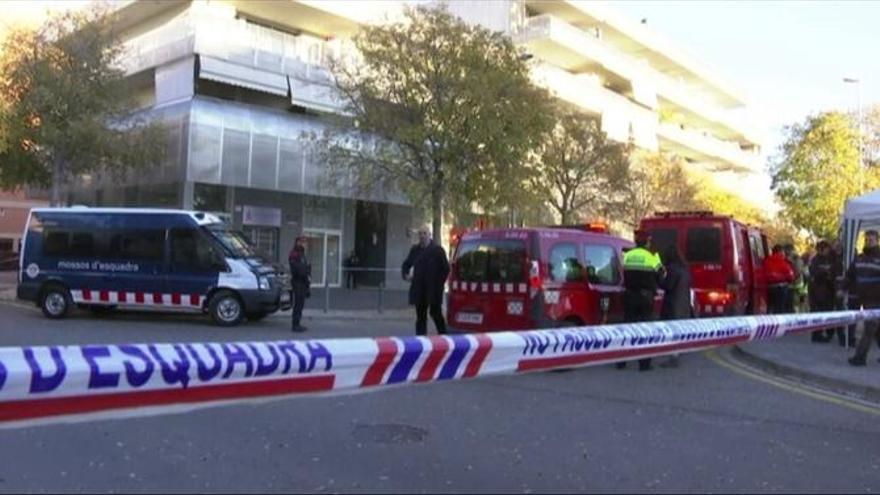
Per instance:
(473,318)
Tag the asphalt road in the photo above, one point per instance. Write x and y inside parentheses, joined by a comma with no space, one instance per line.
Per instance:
(697,428)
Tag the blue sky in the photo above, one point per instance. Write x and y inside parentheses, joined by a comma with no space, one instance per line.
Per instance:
(788,56)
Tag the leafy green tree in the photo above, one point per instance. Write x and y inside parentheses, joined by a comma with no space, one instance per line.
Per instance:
(817,170)
(438,109)
(723,202)
(65,110)
(577,165)
(655,182)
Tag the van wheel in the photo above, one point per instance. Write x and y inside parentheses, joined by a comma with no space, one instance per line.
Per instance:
(56,302)
(226,309)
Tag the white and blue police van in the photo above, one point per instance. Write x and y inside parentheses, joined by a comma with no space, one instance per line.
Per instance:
(103,258)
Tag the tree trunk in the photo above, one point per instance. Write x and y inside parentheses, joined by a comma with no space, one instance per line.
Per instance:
(57,179)
(437,209)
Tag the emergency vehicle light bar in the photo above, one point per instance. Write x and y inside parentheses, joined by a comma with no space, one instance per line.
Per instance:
(596,227)
(696,213)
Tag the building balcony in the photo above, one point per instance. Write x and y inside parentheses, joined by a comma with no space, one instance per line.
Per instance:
(703,148)
(233,51)
(621,119)
(553,40)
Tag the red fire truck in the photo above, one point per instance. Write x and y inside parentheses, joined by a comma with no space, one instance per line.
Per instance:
(725,256)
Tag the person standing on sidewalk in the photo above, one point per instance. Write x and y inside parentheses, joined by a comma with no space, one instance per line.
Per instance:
(780,275)
(642,271)
(823,272)
(863,278)
(676,287)
(426,268)
(351,265)
(300,282)
(798,290)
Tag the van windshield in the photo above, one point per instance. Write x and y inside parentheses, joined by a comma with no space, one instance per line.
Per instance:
(488,260)
(234,242)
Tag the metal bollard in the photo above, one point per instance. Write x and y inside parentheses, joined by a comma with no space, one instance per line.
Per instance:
(326,293)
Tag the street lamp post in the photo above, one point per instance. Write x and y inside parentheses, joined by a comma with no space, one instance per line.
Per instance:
(858,83)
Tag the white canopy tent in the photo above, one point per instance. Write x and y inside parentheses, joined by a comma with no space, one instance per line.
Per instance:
(861,213)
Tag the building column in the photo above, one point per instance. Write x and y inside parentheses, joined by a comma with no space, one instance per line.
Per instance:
(187,195)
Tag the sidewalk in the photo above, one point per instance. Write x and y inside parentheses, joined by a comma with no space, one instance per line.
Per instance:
(822,365)
(8,281)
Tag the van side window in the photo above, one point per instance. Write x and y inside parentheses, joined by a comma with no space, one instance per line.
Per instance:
(191,251)
(141,245)
(564,265)
(757,249)
(65,243)
(55,243)
(605,262)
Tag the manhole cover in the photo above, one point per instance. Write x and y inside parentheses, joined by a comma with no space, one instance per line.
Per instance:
(389,433)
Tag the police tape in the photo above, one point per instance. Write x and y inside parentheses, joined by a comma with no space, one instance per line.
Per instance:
(73,383)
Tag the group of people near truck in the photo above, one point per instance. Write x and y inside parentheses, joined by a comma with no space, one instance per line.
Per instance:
(815,282)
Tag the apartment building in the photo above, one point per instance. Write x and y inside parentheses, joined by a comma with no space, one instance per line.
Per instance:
(239,82)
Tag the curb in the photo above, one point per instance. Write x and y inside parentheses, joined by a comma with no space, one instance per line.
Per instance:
(317,315)
(346,315)
(843,387)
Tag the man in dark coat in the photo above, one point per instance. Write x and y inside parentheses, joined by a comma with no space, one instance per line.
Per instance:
(823,273)
(863,278)
(426,268)
(300,282)
(676,287)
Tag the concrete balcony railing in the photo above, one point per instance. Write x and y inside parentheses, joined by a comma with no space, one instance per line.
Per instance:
(241,47)
(703,147)
(566,46)
(572,48)
(621,119)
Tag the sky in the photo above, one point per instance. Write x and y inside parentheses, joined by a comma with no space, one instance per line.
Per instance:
(789,57)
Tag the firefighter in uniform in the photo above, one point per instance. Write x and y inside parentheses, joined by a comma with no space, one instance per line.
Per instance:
(642,271)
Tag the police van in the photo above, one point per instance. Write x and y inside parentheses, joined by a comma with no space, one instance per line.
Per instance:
(103,258)
(542,277)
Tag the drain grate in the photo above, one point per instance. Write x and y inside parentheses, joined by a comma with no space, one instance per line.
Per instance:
(389,433)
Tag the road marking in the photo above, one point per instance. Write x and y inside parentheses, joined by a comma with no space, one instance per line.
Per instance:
(791,386)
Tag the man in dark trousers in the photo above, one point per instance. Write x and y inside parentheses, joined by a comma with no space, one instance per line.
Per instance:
(426,268)
(823,272)
(642,271)
(300,282)
(863,278)
(676,287)
(352,263)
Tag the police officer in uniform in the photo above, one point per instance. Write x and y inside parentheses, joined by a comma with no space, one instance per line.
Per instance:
(863,278)
(642,271)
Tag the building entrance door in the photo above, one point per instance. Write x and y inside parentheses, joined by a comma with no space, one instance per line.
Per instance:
(322,251)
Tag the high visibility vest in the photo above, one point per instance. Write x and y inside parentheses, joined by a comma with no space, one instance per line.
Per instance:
(640,259)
